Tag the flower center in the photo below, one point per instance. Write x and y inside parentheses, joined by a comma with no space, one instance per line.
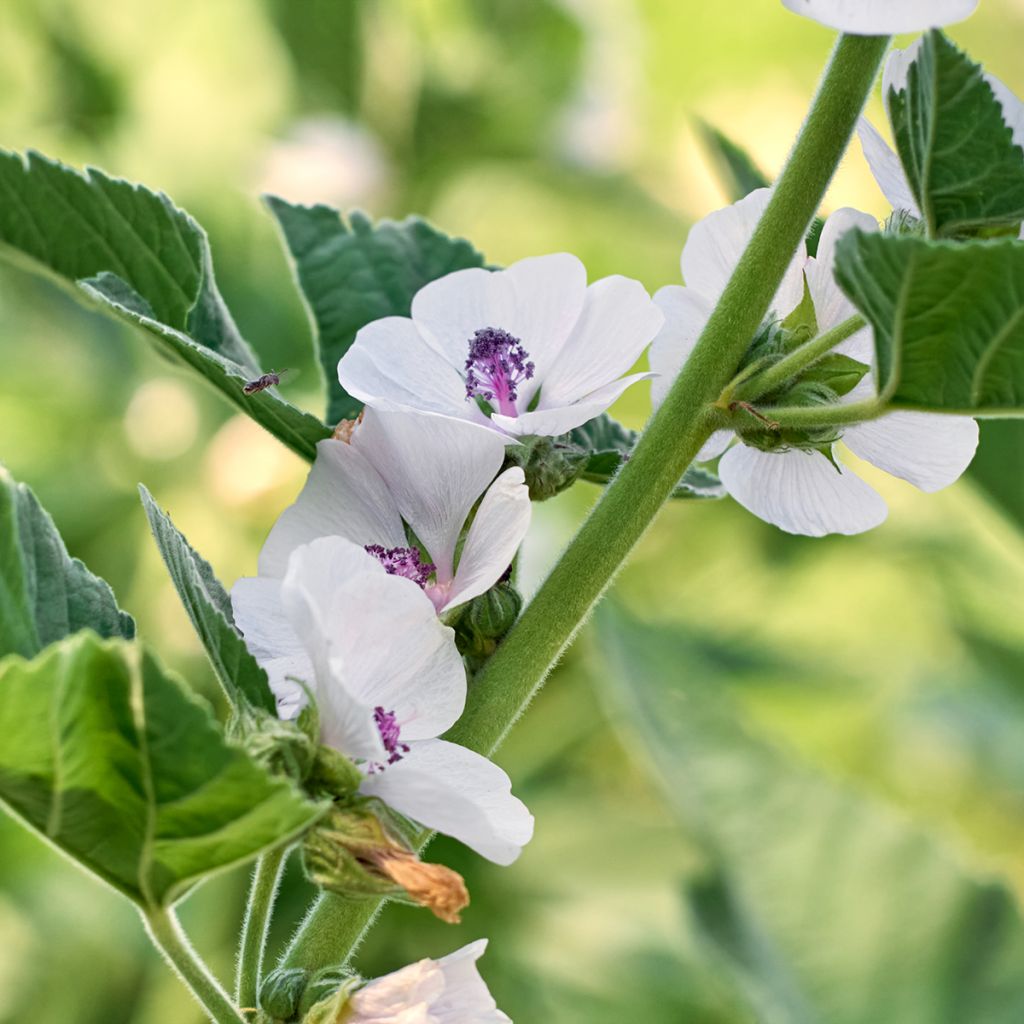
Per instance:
(402,562)
(496,366)
(390,735)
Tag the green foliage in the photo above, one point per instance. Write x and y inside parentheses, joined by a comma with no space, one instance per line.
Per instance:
(209,609)
(998,468)
(964,169)
(356,272)
(111,759)
(143,260)
(44,593)
(817,897)
(736,169)
(948,319)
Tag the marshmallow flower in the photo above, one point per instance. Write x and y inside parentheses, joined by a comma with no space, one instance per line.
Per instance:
(388,680)
(801,491)
(530,350)
(445,991)
(885,164)
(883,17)
(420,470)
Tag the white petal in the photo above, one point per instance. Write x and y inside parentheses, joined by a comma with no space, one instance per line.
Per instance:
(883,17)
(716,243)
(499,526)
(344,496)
(800,492)
(405,996)
(715,445)
(391,361)
(929,451)
(466,996)
(435,469)
(618,322)
(831,306)
(552,422)
(460,793)
(886,167)
(896,72)
(375,641)
(1013,109)
(686,315)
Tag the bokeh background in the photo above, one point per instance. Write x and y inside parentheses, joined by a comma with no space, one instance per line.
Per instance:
(778,779)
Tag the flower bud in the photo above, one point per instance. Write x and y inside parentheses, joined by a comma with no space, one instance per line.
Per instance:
(281,992)
(491,615)
(333,774)
(331,985)
(283,748)
(550,464)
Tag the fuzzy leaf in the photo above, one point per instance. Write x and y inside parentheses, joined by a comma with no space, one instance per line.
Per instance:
(356,272)
(209,609)
(120,767)
(45,594)
(144,260)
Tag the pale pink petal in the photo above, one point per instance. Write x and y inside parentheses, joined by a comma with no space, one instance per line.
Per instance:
(883,17)
(887,170)
(686,315)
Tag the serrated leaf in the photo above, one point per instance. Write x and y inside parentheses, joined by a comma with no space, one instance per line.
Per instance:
(209,608)
(867,917)
(45,594)
(144,260)
(948,319)
(356,272)
(964,169)
(120,767)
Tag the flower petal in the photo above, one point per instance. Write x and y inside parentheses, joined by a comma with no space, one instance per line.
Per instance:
(929,451)
(716,243)
(460,793)
(465,992)
(886,167)
(499,526)
(435,469)
(391,361)
(375,641)
(618,322)
(800,492)
(896,72)
(686,315)
(883,17)
(343,496)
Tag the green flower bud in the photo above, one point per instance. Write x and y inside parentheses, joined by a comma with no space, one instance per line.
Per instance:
(332,1008)
(331,984)
(333,774)
(550,464)
(281,992)
(283,748)
(490,616)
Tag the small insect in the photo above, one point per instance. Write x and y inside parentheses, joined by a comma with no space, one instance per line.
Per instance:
(268,380)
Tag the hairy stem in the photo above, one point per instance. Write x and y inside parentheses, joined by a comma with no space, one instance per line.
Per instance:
(252,947)
(167,936)
(838,415)
(667,447)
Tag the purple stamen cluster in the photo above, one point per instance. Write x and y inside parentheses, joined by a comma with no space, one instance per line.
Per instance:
(402,562)
(390,734)
(496,366)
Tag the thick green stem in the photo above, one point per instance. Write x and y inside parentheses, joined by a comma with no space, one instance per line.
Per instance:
(262,893)
(167,936)
(667,447)
(801,417)
(786,369)
(331,932)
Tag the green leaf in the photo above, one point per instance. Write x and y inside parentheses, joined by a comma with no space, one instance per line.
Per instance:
(356,272)
(609,443)
(998,468)
(209,608)
(45,594)
(948,319)
(833,901)
(737,171)
(142,259)
(120,767)
(964,168)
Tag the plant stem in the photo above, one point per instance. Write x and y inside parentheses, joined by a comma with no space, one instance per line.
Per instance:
(252,947)
(667,447)
(167,936)
(786,369)
(331,931)
(838,415)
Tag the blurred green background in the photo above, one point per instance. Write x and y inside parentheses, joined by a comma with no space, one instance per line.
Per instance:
(778,779)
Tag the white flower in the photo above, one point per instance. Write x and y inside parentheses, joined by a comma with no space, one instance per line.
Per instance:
(445,991)
(883,17)
(388,680)
(798,490)
(885,164)
(542,351)
(420,470)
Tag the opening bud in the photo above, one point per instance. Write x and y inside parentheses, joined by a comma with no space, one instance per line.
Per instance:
(550,464)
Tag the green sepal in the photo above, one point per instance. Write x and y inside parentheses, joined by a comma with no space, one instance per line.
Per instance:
(550,464)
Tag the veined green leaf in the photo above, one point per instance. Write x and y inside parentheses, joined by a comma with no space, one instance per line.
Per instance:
(998,468)
(964,169)
(948,319)
(120,767)
(146,261)
(45,594)
(830,906)
(209,609)
(356,272)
